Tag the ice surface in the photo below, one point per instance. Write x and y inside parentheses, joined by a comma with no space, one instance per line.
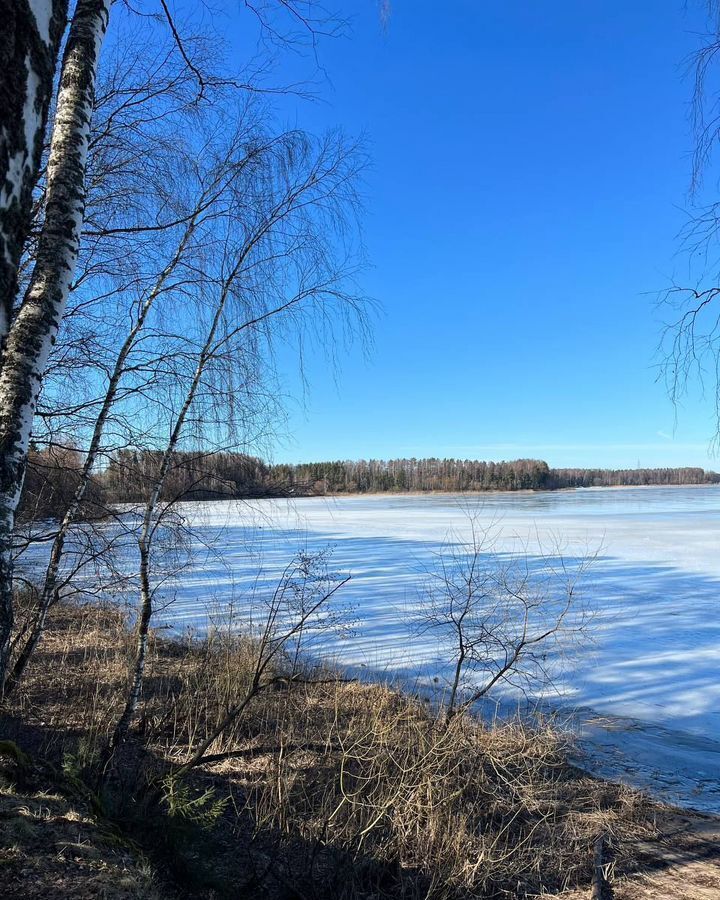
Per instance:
(645,695)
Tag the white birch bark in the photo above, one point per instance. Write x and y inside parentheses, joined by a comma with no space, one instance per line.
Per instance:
(47,594)
(295,198)
(34,328)
(30,34)
(148,523)
(209,350)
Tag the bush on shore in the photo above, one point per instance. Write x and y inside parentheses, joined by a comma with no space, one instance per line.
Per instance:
(320,790)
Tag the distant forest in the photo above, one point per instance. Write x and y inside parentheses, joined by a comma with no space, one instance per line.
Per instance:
(398,475)
(132,475)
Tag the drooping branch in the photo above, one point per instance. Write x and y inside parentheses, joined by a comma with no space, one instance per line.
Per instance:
(48,591)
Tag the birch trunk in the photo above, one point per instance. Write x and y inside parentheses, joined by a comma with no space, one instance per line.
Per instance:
(147,528)
(30,37)
(36,324)
(47,595)
(141,636)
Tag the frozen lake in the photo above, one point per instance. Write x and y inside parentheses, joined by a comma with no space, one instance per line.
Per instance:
(653,669)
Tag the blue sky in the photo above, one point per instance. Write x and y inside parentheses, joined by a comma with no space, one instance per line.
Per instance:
(530,167)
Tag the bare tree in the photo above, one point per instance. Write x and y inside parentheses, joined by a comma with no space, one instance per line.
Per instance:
(139,224)
(284,242)
(690,343)
(502,621)
(49,591)
(53,250)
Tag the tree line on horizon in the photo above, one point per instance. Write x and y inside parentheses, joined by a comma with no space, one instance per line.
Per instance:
(435,474)
(53,474)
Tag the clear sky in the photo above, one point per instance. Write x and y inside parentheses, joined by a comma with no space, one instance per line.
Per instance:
(530,171)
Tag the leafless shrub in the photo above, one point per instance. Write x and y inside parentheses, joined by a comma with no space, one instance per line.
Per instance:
(502,621)
(452,811)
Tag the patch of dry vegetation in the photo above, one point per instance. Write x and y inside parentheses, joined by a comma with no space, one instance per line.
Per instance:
(53,844)
(318,790)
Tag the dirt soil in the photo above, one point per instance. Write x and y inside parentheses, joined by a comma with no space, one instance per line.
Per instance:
(682,864)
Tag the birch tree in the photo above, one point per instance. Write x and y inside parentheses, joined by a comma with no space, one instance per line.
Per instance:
(210,205)
(276,261)
(34,328)
(127,161)
(138,223)
(54,255)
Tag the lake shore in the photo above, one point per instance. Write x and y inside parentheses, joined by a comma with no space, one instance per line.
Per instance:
(69,700)
(656,572)
(469,493)
(651,671)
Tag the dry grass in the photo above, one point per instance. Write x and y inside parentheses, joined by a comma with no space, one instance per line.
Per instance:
(328,790)
(53,846)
